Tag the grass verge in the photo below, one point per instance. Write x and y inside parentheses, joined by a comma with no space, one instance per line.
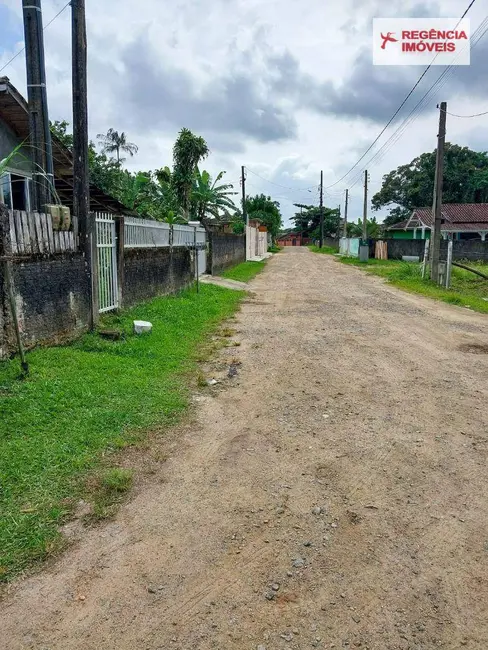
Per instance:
(244,272)
(467,289)
(82,402)
(325,250)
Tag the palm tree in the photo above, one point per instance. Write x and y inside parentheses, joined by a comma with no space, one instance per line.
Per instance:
(208,198)
(113,141)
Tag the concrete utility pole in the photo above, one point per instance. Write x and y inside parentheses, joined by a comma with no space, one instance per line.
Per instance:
(365,207)
(345,213)
(40,134)
(438,183)
(243,183)
(321,209)
(81,184)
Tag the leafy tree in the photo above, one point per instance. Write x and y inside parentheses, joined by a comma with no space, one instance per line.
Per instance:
(59,128)
(412,186)
(115,142)
(373,229)
(209,198)
(307,221)
(188,151)
(262,207)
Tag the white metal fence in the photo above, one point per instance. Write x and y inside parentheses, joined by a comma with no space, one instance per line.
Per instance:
(107,262)
(143,233)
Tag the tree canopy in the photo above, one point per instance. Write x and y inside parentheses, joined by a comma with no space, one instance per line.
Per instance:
(115,142)
(412,186)
(168,195)
(263,207)
(307,221)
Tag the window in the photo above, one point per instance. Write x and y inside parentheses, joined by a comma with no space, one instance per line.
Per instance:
(14,191)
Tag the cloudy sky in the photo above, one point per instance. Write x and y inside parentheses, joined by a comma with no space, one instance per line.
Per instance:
(286,88)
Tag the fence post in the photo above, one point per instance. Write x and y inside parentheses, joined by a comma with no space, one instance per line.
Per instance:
(449,263)
(120,235)
(93,230)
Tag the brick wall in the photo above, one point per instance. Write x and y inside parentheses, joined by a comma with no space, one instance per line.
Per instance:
(225,250)
(151,272)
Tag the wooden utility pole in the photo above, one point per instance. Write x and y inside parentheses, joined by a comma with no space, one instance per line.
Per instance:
(365,207)
(438,183)
(40,134)
(243,183)
(81,184)
(321,209)
(345,213)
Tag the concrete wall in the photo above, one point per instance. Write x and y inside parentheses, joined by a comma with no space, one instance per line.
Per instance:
(225,250)
(52,298)
(462,249)
(151,272)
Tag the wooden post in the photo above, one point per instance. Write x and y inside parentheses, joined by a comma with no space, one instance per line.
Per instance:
(6,257)
(345,213)
(449,263)
(81,186)
(321,209)
(365,207)
(120,235)
(40,136)
(438,183)
(426,257)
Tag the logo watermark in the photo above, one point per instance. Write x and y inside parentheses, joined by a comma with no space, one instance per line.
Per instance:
(421,41)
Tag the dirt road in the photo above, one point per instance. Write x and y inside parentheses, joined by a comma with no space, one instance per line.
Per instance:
(333,495)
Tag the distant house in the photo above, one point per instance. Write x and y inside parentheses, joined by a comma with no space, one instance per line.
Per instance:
(459,221)
(16,183)
(292,239)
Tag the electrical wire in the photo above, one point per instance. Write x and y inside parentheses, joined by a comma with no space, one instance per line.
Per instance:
(398,109)
(416,111)
(45,27)
(294,189)
(466,116)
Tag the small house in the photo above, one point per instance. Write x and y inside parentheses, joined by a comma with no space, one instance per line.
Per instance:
(459,221)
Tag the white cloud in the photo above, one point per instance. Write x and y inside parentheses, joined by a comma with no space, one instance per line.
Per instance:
(284,87)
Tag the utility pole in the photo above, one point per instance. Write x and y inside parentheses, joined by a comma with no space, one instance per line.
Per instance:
(40,134)
(321,209)
(438,183)
(365,207)
(345,213)
(243,183)
(81,184)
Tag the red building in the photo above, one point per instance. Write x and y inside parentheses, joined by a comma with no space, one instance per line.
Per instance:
(293,239)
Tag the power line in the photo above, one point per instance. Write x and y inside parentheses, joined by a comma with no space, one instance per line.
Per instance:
(416,111)
(399,108)
(46,26)
(465,116)
(294,189)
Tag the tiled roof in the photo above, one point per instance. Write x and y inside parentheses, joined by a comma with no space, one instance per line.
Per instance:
(457,213)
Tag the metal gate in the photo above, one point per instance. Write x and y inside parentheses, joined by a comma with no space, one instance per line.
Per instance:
(107,263)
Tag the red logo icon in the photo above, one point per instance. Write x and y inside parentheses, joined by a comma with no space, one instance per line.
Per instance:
(388,39)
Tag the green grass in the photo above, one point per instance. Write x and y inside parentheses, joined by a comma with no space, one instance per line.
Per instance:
(82,402)
(274,249)
(325,250)
(244,272)
(467,289)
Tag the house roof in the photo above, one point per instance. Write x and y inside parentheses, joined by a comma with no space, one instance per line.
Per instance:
(456,217)
(15,112)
